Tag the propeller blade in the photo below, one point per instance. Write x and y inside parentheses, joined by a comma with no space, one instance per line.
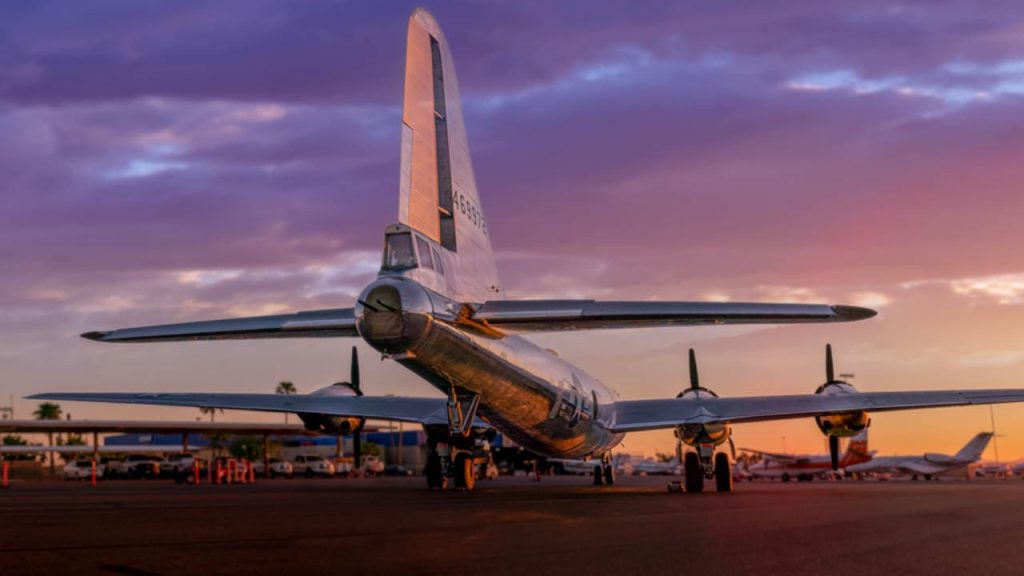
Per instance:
(679,451)
(694,377)
(357,449)
(355,372)
(833,449)
(829,370)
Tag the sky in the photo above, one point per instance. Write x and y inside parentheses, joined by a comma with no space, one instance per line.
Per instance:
(172,161)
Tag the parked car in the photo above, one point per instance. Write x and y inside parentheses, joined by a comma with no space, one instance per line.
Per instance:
(174,464)
(277,467)
(81,470)
(310,465)
(140,466)
(396,470)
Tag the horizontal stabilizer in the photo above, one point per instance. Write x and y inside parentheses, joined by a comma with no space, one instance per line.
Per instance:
(554,315)
(634,415)
(313,324)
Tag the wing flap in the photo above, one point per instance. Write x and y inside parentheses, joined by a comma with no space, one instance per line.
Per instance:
(399,409)
(635,415)
(337,322)
(555,315)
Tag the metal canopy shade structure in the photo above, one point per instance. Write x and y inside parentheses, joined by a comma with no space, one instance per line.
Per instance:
(156,426)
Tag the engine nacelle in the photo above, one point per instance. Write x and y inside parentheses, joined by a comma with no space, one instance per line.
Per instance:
(329,423)
(842,425)
(716,433)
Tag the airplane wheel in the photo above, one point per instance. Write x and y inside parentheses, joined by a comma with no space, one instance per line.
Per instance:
(693,474)
(723,473)
(598,476)
(785,477)
(465,475)
(609,474)
(435,479)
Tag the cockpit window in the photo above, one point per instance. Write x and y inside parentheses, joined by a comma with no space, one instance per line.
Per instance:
(398,252)
(424,250)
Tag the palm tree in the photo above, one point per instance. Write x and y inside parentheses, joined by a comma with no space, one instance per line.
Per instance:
(49,411)
(285,387)
(211,411)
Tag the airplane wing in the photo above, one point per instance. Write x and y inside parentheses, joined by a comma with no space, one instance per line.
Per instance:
(316,323)
(919,467)
(635,415)
(554,315)
(398,409)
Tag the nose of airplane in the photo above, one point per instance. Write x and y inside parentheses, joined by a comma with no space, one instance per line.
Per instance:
(393,314)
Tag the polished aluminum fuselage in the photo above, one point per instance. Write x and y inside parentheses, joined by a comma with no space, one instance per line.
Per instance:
(526,392)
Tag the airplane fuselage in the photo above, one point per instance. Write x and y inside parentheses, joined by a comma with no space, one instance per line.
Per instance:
(526,392)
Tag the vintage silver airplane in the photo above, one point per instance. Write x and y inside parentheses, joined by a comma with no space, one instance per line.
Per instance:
(438,309)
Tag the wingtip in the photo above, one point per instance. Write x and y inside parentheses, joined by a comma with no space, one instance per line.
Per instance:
(95,336)
(853,313)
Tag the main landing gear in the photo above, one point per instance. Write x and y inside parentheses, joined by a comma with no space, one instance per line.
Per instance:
(604,473)
(456,451)
(705,464)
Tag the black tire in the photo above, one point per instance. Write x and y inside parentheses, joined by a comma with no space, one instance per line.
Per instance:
(465,472)
(785,477)
(435,479)
(723,473)
(270,473)
(308,473)
(692,473)
(598,476)
(609,474)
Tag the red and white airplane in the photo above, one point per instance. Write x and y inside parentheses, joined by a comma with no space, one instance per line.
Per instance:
(804,467)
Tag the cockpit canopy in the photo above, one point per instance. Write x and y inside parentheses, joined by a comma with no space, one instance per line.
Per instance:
(404,250)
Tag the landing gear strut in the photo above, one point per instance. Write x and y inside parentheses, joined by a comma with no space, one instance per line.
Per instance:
(604,473)
(456,449)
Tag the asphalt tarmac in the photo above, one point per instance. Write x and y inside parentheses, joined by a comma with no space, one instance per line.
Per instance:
(512,526)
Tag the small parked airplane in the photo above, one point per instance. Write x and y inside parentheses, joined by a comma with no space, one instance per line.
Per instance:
(928,465)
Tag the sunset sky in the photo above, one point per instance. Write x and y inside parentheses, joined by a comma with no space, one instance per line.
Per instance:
(172,161)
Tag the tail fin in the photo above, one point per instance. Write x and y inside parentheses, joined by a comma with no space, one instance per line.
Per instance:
(857,448)
(973,450)
(438,188)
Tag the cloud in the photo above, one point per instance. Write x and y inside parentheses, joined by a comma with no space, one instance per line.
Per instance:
(1007,289)
(1004,288)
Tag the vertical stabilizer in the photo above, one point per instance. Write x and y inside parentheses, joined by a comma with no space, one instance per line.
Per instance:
(857,448)
(973,450)
(438,189)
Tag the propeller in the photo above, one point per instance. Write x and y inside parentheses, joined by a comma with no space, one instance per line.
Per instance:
(830,375)
(354,376)
(694,377)
(357,438)
(833,449)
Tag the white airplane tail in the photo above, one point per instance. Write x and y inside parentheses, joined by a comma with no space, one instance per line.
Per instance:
(973,450)
(438,189)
